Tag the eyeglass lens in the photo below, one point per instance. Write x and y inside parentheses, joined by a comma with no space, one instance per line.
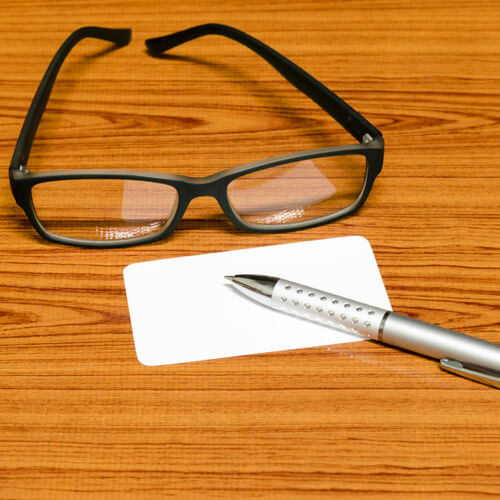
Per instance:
(299,191)
(104,209)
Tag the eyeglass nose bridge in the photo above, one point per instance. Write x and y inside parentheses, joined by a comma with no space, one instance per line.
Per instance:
(196,187)
(213,186)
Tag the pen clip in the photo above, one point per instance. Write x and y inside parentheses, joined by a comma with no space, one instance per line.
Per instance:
(475,373)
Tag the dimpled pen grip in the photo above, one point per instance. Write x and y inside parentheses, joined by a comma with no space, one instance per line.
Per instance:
(329,309)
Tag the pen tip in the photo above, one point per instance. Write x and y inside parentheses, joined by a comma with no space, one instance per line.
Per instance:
(230,278)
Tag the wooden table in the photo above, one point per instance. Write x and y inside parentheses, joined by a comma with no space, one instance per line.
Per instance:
(81,417)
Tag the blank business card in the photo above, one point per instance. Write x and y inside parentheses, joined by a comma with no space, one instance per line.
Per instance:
(182,309)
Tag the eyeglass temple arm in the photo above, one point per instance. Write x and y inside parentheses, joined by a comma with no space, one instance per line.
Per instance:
(349,118)
(120,37)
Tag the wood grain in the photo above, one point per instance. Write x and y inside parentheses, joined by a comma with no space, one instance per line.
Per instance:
(80,417)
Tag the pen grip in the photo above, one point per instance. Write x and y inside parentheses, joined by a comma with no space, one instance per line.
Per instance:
(437,342)
(326,308)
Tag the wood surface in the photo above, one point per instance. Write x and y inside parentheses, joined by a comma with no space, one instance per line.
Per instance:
(80,417)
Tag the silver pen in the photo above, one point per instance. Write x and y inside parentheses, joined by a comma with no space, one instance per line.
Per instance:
(461,354)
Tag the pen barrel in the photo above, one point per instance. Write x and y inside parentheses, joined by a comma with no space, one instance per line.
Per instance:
(437,342)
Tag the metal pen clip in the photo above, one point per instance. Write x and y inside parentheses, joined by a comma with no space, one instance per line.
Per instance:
(472,372)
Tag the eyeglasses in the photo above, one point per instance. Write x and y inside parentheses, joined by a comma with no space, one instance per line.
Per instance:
(117,208)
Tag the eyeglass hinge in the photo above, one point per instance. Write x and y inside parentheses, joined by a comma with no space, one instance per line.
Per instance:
(366,139)
(23,169)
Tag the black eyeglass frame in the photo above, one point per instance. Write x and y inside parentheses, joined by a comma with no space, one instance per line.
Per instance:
(371,142)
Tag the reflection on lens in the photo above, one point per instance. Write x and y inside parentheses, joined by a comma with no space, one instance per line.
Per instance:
(299,191)
(104,209)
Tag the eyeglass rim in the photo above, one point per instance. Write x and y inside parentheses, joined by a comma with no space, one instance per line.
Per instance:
(188,188)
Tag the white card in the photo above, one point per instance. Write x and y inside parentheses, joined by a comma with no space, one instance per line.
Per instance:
(182,309)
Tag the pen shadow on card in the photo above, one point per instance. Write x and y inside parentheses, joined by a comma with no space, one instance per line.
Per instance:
(355,336)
